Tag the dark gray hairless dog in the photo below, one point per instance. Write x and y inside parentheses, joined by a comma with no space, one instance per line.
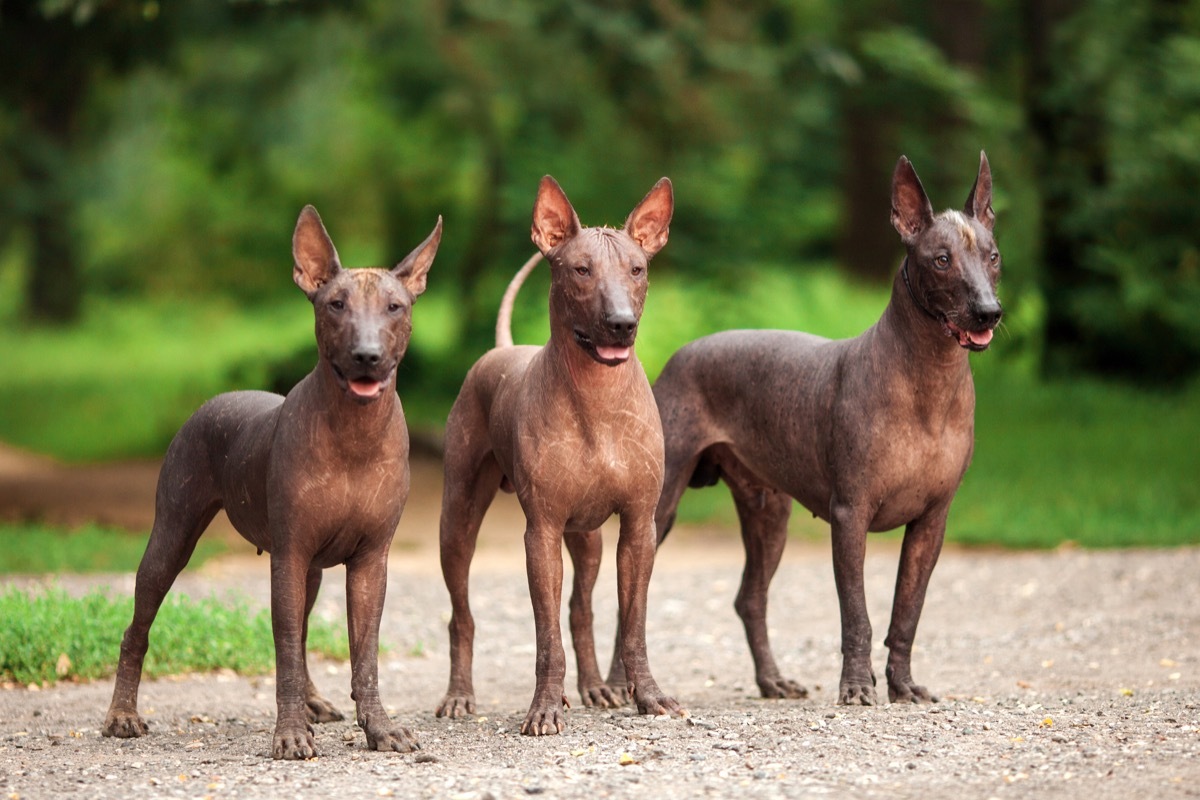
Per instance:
(869,433)
(572,429)
(316,479)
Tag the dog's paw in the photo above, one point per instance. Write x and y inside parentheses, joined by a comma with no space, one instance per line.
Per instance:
(321,710)
(293,743)
(124,725)
(780,688)
(395,738)
(910,692)
(601,696)
(652,701)
(456,705)
(545,717)
(857,694)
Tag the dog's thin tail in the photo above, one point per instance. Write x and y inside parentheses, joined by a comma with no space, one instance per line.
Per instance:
(504,318)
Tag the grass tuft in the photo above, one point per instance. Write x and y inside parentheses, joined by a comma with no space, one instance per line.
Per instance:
(50,636)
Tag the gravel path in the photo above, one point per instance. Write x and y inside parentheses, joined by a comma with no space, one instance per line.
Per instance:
(1070,674)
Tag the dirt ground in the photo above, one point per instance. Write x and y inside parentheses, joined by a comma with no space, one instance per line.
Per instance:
(1070,674)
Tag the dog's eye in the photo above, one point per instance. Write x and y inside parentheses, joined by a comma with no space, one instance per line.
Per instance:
(337,305)
(583,271)
(637,271)
(394,307)
(995,258)
(942,261)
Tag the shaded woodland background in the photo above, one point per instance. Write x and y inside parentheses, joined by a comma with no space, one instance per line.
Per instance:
(163,149)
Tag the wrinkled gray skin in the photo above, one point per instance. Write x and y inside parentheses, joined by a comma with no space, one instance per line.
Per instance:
(316,479)
(868,433)
(572,428)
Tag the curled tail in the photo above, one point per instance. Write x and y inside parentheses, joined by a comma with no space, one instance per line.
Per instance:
(504,318)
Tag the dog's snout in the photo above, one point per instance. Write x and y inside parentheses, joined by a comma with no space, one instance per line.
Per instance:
(989,313)
(622,323)
(367,355)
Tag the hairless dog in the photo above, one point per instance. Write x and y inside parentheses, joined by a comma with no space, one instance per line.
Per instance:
(317,478)
(572,429)
(868,433)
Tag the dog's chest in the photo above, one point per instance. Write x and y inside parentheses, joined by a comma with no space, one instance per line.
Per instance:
(585,475)
(915,468)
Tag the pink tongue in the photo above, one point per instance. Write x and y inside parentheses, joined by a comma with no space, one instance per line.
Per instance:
(364,387)
(979,337)
(613,353)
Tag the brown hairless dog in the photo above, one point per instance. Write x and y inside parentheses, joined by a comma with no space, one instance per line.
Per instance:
(571,428)
(869,433)
(316,479)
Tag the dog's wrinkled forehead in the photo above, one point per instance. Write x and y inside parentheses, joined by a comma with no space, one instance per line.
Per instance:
(957,231)
(597,248)
(365,282)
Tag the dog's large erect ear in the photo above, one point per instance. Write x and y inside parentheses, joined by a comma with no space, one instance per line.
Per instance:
(314,258)
(979,201)
(650,222)
(911,210)
(554,220)
(415,266)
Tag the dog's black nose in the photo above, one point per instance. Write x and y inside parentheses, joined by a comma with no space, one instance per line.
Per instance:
(988,314)
(622,324)
(368,356)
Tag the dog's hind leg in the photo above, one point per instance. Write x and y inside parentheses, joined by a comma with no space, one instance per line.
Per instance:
(763,514)
(186,501)
(319,709)
(684,466)
(585,550)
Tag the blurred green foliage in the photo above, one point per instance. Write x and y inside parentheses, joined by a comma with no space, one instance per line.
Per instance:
(153,157)
(32,548)
(164,149)
(121,381)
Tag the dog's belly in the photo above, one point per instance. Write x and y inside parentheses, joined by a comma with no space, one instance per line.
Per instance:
(900,479)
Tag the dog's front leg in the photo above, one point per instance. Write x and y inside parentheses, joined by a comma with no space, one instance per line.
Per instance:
(543,562)
(635,562)
(366,587)
(922,544)
(849,536)
(293,735)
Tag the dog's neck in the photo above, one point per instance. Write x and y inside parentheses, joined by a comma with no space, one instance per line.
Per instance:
(591,382)
(355,422)
(917,334)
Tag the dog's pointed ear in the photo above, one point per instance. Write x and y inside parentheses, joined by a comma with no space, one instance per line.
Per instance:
(554,220)
(911,210)
(979,201)
(314,258)
(650,222)
(413,270)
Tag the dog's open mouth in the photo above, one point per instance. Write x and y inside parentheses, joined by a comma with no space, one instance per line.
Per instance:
(972,340)
(366,387)
(362,387)
(609,355)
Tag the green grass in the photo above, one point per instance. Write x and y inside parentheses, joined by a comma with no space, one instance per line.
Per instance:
(36,549)
(122,381)
(1080,461)
(50,636)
